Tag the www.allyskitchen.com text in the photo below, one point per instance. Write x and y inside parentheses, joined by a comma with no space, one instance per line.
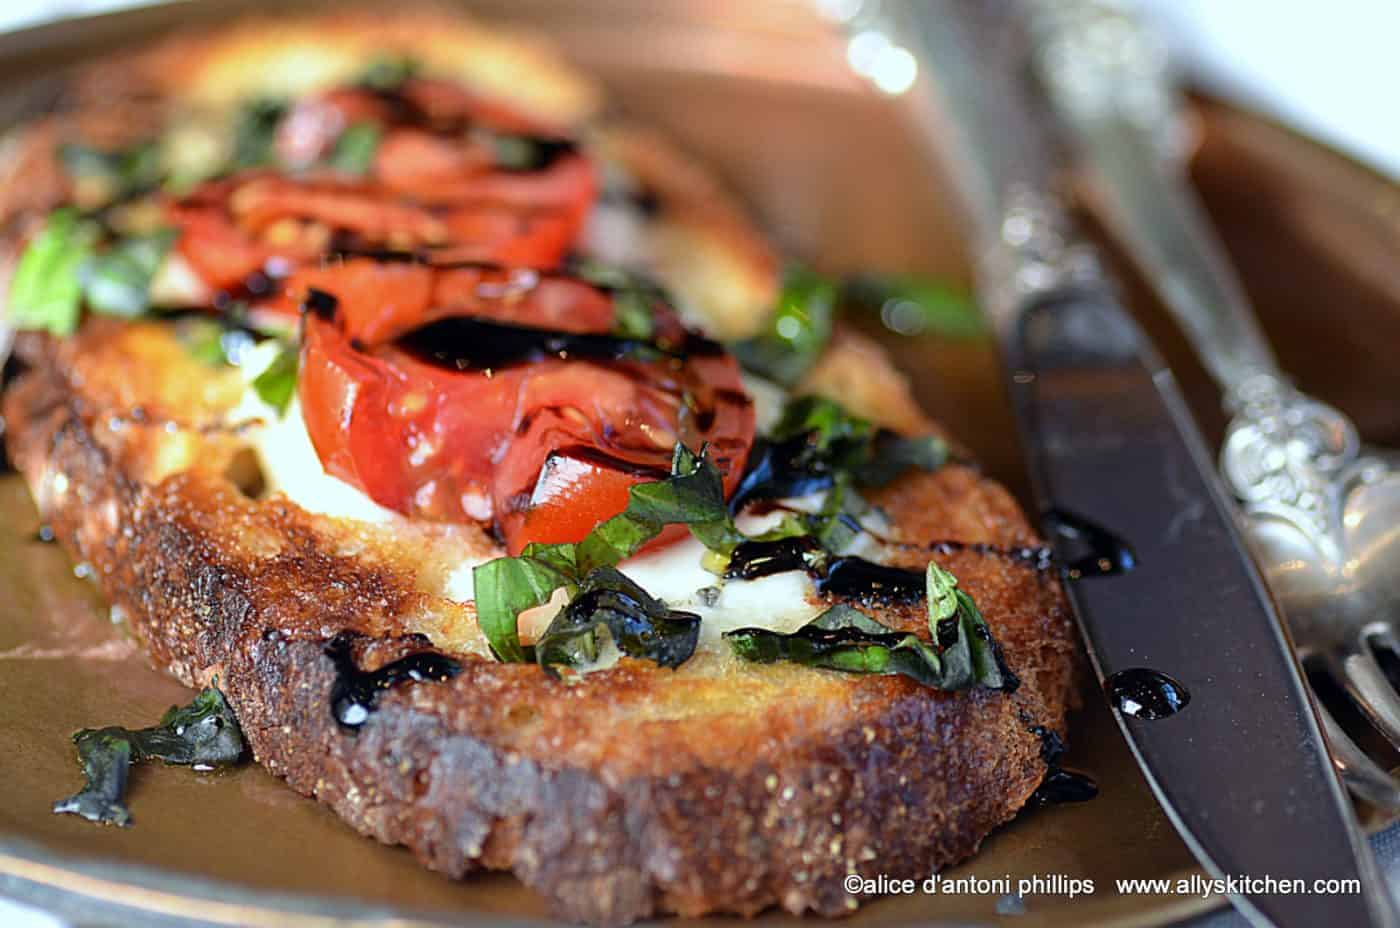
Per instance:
(1060,884)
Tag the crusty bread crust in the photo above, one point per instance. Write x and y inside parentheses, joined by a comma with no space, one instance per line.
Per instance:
(718,787)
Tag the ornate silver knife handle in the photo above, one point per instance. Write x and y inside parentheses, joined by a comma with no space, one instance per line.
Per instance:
(1286,455)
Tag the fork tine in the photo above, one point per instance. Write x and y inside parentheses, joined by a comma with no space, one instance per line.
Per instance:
(1363,776)
(1372,690)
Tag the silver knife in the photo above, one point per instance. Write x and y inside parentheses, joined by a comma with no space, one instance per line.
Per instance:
(1179,627)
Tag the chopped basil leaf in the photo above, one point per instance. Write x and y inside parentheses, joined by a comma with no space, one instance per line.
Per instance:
(204,340)
(45,292)
(913,305)
(639,625)
(693,495)
(278,381)
(633,296)
(891,455)
(204,734)
(354,150)
(254,133)
(507,587)
(117,281)
(102,177)
(516,152)
(797,332)
(817,445)
(844,638)
(388,72)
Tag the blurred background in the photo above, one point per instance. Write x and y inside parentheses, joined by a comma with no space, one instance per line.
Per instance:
(1329,70)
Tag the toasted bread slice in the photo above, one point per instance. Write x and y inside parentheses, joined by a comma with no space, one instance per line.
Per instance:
(720,786)
(717,787)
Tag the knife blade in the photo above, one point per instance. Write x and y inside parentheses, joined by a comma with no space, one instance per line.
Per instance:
(1179,627)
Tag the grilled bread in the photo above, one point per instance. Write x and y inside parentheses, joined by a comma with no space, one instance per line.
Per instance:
(630,790)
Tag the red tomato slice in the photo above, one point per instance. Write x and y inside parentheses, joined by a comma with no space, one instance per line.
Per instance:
(454,445)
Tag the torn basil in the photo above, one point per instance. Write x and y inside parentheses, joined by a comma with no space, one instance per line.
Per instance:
(255,133)
(45,292)
(910,304)
(117,281)
(354,150)
(277,382)
(963,653)
(204,734)
(797,331)
(817,445)
(104,177)
(632,294)
(637,623)
(693,495)
(388,72)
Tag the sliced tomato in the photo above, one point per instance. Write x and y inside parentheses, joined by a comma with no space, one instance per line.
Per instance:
(543,451)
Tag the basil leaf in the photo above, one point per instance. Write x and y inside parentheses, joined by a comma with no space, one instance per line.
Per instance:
(204,734)
(45,292)
(103,177)
(117,281)
(277,382)
(388,72)
(817,445)
(823,420)
(693,495)
(354,150)
(942,589)
(912,305)
(204,341)
(639,625)
(632,296)
(844,638)
(507,587)
(797,332)
(891,455)
(255,132)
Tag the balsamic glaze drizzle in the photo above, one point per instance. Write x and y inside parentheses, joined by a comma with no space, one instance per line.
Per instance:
(857,578)
(468,343)
(1097,552)
(847,577)
(355,692)
(1059,785)
(754,559)
(1142,693)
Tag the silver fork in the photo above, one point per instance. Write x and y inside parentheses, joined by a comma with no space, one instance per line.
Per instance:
(1322,511)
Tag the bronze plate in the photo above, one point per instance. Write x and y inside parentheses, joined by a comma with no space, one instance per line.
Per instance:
(755,89)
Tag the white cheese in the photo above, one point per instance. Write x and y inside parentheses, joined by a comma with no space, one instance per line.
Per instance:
(780,602)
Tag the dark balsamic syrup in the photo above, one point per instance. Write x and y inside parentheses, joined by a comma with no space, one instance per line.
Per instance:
(44,534)
(1059,785)
(1037,557)
(1087,548)
(846,577)
(355,693)
(857,578)
(465,343)
(754,559)
(1062,785)
(1141,693)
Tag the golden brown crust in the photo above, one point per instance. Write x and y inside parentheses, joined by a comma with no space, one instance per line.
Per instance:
(286,56)
(717,787)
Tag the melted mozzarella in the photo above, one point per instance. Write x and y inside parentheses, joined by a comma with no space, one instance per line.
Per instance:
(676,574)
